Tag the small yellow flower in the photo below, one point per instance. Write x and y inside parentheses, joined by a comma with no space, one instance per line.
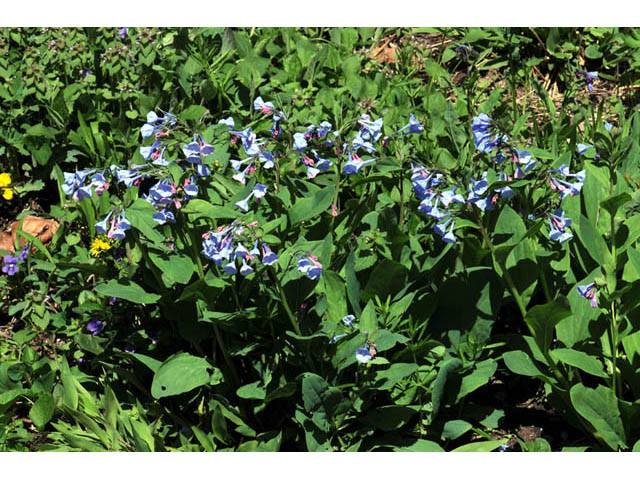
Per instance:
(100,245)
(5,179)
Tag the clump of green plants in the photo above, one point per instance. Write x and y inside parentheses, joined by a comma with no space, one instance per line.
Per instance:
(323,252)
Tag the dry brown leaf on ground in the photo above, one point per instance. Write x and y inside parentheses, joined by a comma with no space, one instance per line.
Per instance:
(386,52)
(6,243)
(41,228)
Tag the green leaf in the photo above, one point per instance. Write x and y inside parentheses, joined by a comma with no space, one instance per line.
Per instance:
(581,360)
(194,112)
(447,369)
(369,321)
(592,52)
(487,446)
(219,425)
(477,378)
(520,363)
(386,379)
(353,286)
(593,241)
(201,208)
(127,290)
(333,287)
(612,204)
(69,391)
(9,396)
(175,268)
(40,130)
(542,319)
(181,373)
(421,445)
(631,271)
(454,429)
(252,391)
(387,278)
(309,207)
(321,401)
(390,417)
(599,407)
(140,215)
(89,343)
(42,410)
(192,67)
(149,362)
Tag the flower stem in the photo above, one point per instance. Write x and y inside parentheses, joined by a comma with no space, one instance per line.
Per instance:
(285,304)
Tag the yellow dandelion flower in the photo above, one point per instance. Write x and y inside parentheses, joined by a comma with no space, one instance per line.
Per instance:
(7,193)
(100,245)
(5,179)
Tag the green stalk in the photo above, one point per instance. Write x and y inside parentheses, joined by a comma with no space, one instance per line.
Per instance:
(285,304)
(614,322)
(401,159)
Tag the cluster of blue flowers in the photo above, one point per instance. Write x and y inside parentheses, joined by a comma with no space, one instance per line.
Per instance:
(425,185)
(558,223)
(259,191)
(309,265)
(114,226)
(442,201)
(78,185)
(165,194)
(489,140)
(224,247)
(156,123)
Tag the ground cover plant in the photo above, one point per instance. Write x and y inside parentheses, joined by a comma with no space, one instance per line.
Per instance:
(320,239)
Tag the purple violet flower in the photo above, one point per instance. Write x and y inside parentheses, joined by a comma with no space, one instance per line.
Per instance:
(95,326)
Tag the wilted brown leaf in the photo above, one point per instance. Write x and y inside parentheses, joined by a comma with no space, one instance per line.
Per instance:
(41,228)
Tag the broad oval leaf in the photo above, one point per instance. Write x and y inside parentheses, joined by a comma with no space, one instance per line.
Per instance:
(179,374)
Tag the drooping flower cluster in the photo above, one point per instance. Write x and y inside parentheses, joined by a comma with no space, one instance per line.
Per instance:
(314,138)
(558,226)
(425,186)
(565,188)
(485,135)
(590,292)
(412,127)
(258,191)
(488,140)
(309,265)
(10,263)
(166,194)
(114,227)
(156,124)
(348,321)
(78,185)
(253,148)
(365,354)
(369,133)
(225,247)
(195,151)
